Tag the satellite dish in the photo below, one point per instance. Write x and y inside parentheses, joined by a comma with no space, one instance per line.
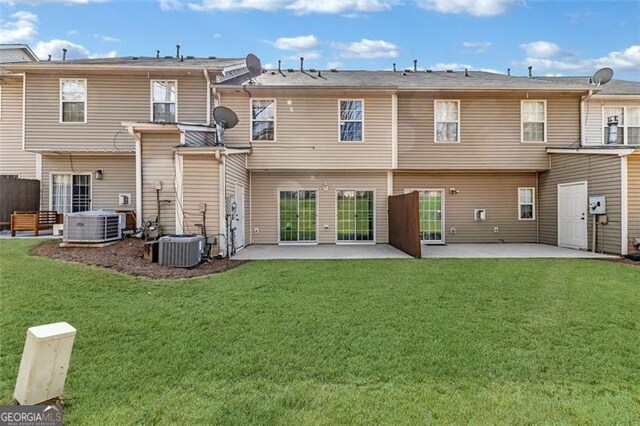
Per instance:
(253,65)
(602,76)
(224,117)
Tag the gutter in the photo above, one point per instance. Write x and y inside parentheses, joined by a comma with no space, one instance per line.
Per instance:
(392,89)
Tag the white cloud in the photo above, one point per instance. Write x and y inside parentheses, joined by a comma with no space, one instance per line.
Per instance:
(480,8)
(367,49)
(334,65)
(73,32)
(297,6)
(310,56)
(296,43)
(170,4)
(625,60)
(477,46)
(544,49)
(22,29)
(74,51)
(441,66)
(107,38)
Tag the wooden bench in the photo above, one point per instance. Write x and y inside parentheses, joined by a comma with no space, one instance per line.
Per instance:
(34,221)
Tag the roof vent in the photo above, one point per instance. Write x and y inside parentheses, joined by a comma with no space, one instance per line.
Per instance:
(509,72)
(466,72)
(312,70)
(64,54)
(530,68)
(406,70)
(319,73)
(301,63)
(135,58)
(49,58)
(157,54)
(429,71)
(213,57)
(191,57)
(449,71)
(273,73)
(290,70)
(404,73)
(415,65)
(279,65)
(333,70)
(177,51)
(394,67)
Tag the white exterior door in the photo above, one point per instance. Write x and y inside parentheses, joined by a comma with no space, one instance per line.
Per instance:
(238,220)
(572,215)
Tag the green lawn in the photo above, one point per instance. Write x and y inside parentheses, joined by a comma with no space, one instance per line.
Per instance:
(334,342)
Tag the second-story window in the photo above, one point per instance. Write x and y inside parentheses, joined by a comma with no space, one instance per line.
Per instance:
(628,124)
(351,121)
(534,117)
(73,101)
(164,101)
(263,120)
(447,121)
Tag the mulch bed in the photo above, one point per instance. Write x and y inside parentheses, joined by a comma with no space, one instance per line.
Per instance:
(127,256)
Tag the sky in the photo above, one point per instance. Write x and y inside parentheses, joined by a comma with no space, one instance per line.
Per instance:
(555,37)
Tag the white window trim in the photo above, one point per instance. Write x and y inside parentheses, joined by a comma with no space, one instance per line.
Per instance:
(533,204)
(151,103)
(624,125)
(375,214)
(275,118)
(90,174)
(86,100)
(546,125)
(435,120)
(299,243)
(340,120)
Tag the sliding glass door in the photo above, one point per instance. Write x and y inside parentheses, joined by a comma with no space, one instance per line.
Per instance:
(297,216)
(355,216)
(70,193)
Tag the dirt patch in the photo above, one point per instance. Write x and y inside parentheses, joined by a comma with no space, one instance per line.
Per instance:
(622,260)
(127,256)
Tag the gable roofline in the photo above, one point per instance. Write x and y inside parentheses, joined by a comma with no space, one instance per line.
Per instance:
(25,48)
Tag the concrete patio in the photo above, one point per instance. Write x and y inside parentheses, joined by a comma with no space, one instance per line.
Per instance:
(43,234)
(506,251)
(385,251)
(321,251)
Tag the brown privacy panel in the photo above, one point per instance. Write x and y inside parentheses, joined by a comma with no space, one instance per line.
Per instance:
(18,194)
(404,223)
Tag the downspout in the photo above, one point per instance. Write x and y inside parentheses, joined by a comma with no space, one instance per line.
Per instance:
(222,201)
(209,88)
(136,137)
(583,124)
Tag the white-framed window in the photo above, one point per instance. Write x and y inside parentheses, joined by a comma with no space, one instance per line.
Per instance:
(628,124)
(70,193)
(263,120)
(164,101)
(73,100)
(526,203)
(351,120)
(446,121)
(533,114)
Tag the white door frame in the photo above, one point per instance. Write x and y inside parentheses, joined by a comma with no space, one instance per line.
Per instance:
(298,243)
(584,246)
(335,200)
(240,231)
(442,213)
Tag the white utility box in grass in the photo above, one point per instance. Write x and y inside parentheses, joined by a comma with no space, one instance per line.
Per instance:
(45,361)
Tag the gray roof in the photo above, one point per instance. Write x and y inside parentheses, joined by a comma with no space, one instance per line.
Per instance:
(401,80)
(147,62)
(614,87)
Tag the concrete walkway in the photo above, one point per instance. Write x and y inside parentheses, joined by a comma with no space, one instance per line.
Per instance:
(320,251)
(42,235)
(518,251)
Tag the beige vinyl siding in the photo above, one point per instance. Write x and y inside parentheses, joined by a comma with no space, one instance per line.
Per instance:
(111,99)
(264,203)
(307,132)
(158,166)
(200,185)
(13,160)
(594,128)
(237,174)
(489,132)
(119,177)
(633,191)
(497,193)
(602,173)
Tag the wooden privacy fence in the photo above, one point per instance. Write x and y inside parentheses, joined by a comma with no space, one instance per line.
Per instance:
(17,194)
(404,223)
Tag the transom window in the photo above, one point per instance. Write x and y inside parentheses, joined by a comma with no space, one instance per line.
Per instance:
(526,203)
(73,101)
(351,121)
(628,124)
(263,119)
(447,121)
(534,117)
(70,193)
(164,95)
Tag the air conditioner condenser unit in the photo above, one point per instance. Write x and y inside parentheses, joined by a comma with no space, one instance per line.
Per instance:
(182,251)
(92,227)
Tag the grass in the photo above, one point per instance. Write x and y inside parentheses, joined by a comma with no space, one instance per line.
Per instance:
(333,342)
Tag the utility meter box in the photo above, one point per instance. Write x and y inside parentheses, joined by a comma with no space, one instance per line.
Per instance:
(597,205)
(45,361)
